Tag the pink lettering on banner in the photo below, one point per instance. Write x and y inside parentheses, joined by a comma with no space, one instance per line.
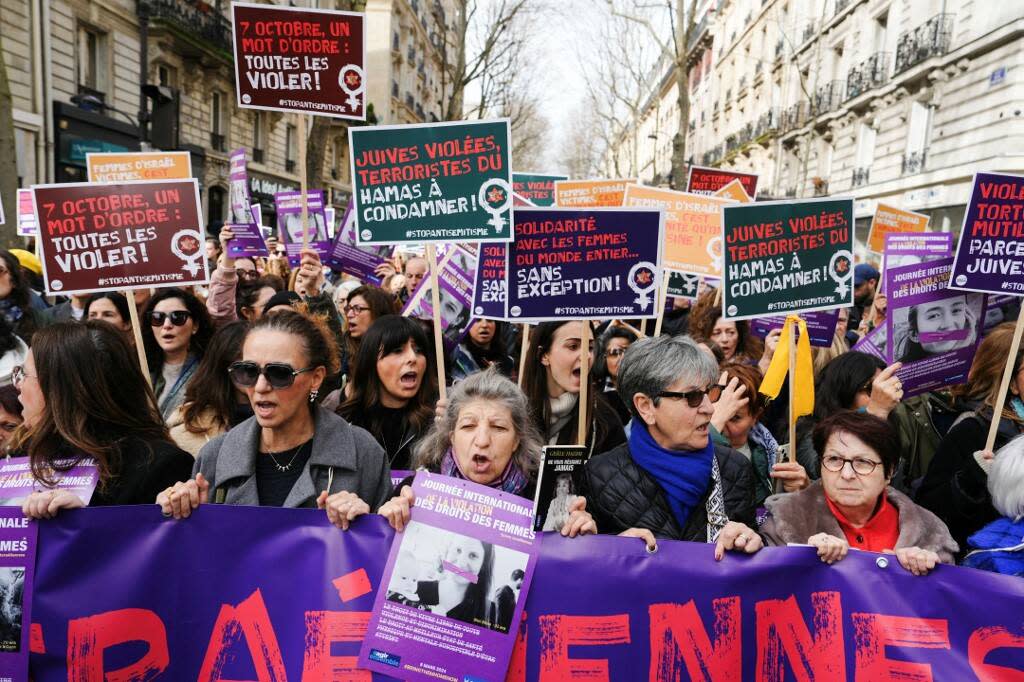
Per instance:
(558,633)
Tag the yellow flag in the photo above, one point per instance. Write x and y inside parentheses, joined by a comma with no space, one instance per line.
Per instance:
(803,373)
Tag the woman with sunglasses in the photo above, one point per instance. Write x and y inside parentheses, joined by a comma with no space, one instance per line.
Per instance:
(551,382)
(671,478)
(393,387)
(84,396)
(213,404)
(611,348)
(853,505)
(175,334)
(363,307)
(291,452)
(483,346)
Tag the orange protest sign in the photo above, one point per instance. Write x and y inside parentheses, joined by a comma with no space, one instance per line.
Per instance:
(590,193)
(890,220)
(734,190)
(132,166)
(693,228)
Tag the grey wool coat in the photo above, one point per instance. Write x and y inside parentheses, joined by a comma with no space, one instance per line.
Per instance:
(794,517)
(344,457)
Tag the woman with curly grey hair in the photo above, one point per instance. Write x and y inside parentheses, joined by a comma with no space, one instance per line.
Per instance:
(486,436)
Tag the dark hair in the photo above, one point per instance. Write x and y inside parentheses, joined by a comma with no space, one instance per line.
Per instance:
(200,318)
(476,602)
(518,574)
(210,387)
(535,384)
(497,354)
(750,377)
(838,385)
(317,341)
(613,331)
(873,431)
(386,335)
(249,292)
(96,398)
(20,296)
(119,301)
(9,400)
(984,379)
(380,302)
(705,313)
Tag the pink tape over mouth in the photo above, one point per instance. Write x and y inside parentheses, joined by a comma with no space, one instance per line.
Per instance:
(452,568)
(939,337)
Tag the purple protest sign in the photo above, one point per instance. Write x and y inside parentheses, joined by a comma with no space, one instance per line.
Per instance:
(456,295)
(933,330)
(359,261)
(873,343)
(433,617)
(490,285)
(821,326)
(590,264)
(908,248)
(17,482)
(289,223)
(990,254)
(18,536)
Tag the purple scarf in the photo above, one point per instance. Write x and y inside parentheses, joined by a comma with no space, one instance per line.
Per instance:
(512,480)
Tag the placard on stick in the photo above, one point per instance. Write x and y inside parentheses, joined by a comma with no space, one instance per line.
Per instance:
(787,257)
(536,188)
(126,167)
(890,220)
(301,60)
(591,193)
(703,180)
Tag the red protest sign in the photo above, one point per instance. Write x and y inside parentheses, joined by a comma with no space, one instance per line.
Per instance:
(131,235)
(296,59)
(710,180)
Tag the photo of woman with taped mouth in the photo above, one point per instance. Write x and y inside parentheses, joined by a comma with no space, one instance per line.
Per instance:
(933,328)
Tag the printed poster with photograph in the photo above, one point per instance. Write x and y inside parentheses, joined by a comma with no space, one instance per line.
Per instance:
(558,484)
(17,482)
(455,280)
(453,590)
(18,537)
(359,261)
(933,330)
(289,224)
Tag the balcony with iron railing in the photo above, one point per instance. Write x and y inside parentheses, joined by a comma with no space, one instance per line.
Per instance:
(732,143)
(698,31)
(779,48)
(930,39)
(870,73)
(768,122)
(913,163)
(810,30)
(829,96)
(794,117)
(790,193)
(860,177)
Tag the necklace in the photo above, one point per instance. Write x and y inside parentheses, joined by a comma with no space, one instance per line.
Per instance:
(285,467)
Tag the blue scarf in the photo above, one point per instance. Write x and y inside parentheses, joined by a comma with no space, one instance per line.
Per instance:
(684,475)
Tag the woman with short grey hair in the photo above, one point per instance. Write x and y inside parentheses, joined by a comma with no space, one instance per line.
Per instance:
(670,478)
(486,436)
(999,546)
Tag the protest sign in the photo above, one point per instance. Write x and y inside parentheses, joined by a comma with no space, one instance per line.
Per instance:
(709,180)
(990,254)
(446,182)
(490,284)
(889,220)
(130,235)
(909,248)
(693,228)
(674,614)
(559,483)
(874,343)
(289,224)
(128,166)
(536,188)
(26,214)
(734,190)
(298,59)
(681,285)
(433,615)
(359,261)
(1000,308)
(455,287)
(821,326)
(589,264)
(18,540)
(591,193)
(3,218)
(933,330)
(330,214)
(787,257)
(17,481)
(248,240)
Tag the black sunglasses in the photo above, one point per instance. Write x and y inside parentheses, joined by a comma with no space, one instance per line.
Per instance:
(695,397)
(178,318)
(279,375)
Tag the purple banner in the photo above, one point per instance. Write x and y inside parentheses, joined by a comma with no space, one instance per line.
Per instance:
(359,261)
(18,536)
(821,326)
(990,255)
(490,286)
(245,593)
(289,224)
(436,616)
(244,220)
(17,482)
(590,264)
(933,330)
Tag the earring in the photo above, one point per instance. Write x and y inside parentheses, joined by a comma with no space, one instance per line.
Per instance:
(313,394)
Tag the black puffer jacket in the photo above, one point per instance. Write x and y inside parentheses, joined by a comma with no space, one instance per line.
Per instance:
(621,495)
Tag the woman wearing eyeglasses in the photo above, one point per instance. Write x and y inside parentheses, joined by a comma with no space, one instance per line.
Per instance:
(670,478)
(611,348)
(176,331)
(364,305)
(853,505)
(482,347)
(393,387)
(84,396)
(292,452)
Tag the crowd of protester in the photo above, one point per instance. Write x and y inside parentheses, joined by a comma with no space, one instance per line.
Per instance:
(298,387)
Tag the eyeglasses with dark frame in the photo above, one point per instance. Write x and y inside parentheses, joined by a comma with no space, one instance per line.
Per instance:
(279,375)
(177,317)
(18,375)
(861,466)
(695,397)
(357,309)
